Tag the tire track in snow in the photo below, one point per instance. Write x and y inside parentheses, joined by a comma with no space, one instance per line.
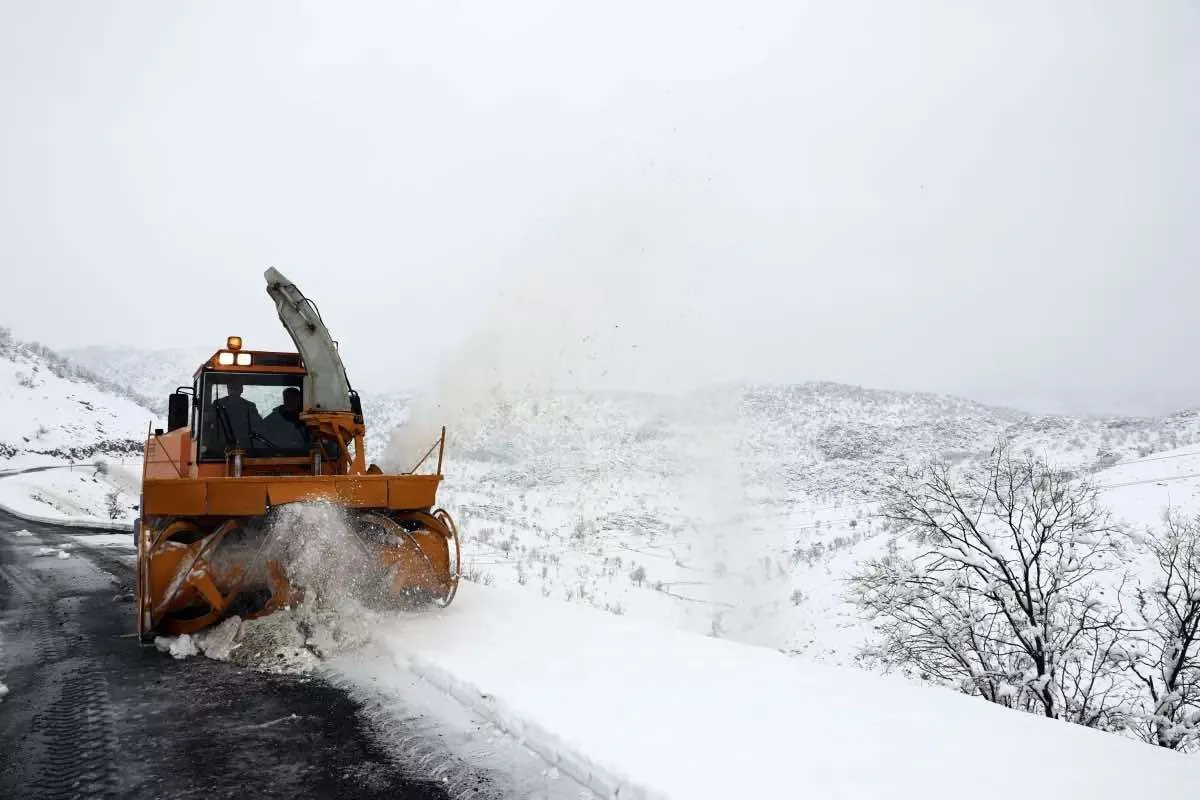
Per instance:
(78,737)
(248,734)
(74,743)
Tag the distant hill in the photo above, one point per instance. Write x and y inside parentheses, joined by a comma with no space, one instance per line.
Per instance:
(150,373)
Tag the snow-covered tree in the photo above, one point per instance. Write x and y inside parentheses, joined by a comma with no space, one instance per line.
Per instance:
(992,585)
(1167,659)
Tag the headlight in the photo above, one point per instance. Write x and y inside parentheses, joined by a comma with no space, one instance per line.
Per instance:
(243,359)
(225,359)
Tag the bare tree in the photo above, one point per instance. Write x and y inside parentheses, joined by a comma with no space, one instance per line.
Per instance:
(997,588)
(1167,660)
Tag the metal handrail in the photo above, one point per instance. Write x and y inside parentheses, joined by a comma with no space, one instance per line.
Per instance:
(440,446)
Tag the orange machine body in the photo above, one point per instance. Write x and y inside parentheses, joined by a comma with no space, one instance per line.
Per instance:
(198,500)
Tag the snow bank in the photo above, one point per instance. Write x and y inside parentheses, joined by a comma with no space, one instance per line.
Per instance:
(636,710)
(70,498)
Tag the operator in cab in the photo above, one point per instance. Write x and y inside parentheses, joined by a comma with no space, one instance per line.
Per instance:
(283,426)
(242,414)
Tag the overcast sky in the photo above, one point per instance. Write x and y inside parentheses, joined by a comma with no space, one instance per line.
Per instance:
(993,199)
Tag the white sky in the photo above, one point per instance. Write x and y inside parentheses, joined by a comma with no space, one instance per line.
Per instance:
(994,199)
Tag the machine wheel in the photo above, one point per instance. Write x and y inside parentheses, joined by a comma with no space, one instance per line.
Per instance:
(411,555)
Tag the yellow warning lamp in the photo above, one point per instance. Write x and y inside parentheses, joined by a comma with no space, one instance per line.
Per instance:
(234,343)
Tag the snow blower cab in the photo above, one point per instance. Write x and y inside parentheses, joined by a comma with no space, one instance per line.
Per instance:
(259,432)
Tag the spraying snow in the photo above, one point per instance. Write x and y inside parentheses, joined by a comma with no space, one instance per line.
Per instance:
(340,587)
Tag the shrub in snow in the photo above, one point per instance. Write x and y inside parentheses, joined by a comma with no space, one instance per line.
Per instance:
(999,591)
(112,503)
(476,575)
(582,529)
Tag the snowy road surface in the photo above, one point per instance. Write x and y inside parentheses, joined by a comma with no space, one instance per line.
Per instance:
(91,713)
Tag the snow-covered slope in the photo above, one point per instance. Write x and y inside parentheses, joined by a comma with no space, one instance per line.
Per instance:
(151,373)
(634,710)
(735,510)
(54,413)
(1140,491)
(53,408)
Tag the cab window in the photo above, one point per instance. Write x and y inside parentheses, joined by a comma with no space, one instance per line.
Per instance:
(255,412)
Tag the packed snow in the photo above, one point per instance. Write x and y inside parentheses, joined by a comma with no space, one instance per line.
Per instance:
(178,646)
(671,714)
(51,551)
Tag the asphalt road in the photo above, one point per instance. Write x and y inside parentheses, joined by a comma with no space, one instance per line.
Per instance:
(92,713)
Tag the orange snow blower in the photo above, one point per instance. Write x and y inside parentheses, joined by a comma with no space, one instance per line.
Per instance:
(212,534)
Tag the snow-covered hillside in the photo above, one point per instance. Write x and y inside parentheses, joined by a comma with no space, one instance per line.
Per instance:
(53,408)
(736,510)
(153,374)
(55,413)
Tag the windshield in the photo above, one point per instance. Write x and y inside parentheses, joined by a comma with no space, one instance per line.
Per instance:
(258,413)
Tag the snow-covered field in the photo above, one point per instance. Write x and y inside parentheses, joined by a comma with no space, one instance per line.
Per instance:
(54,489)
(741,516)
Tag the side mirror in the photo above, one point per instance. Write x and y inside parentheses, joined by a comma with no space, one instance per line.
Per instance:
(178,411)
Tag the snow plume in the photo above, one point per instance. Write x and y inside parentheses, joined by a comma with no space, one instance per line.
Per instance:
(342,582)
(595,302)
(717,494)
(323,554)
(341,588)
